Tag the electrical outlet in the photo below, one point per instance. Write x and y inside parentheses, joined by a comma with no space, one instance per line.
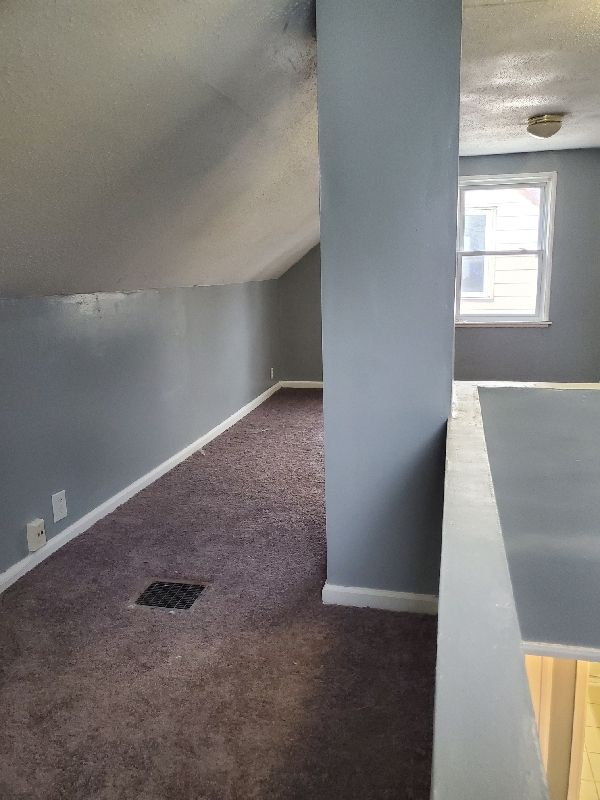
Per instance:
(59,505)
(36,535)
(272,372)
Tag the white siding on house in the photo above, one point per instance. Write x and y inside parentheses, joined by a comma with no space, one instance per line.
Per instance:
(513,223)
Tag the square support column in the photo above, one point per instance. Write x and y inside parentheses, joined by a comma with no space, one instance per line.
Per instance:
(388,78)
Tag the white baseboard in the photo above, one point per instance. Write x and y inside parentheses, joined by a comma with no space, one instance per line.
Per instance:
(383,599)
(81,525)
(301,384)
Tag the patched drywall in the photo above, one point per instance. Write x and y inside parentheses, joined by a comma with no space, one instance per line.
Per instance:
(98,390)
(155,144)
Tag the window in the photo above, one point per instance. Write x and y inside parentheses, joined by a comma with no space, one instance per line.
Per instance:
(504,248)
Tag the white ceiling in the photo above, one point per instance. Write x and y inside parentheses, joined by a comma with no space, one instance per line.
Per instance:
(154,143)
(524,57)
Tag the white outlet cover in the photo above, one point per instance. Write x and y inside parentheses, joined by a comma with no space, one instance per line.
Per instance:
(36,535)
(59,505)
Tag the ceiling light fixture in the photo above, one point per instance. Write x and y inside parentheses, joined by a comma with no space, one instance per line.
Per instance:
(544,125)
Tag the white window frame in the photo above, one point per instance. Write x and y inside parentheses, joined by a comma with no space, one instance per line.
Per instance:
(546,182)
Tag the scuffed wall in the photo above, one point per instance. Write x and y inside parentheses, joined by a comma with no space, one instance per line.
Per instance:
(97,390)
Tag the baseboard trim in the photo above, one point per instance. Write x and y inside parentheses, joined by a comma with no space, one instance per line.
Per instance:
(301,384)
(383,599)
(81,525)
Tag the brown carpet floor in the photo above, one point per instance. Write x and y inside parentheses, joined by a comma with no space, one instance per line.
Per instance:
(259,691)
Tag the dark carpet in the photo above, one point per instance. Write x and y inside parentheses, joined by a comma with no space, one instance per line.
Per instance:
(258,691)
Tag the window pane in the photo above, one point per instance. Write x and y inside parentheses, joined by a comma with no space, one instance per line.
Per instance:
(475,225)
(473,275)
(508,285)
(505,218)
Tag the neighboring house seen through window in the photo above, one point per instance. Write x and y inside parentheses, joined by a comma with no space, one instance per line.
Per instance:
(504,248)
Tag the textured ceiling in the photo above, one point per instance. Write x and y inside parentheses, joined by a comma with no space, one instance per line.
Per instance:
(154,143)
(524,57)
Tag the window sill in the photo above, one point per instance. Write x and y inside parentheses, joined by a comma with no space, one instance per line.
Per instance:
(496,324)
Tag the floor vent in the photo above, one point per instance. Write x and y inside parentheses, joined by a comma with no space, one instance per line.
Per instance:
(165,594)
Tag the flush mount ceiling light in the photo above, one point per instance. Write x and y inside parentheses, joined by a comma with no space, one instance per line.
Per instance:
(544,125)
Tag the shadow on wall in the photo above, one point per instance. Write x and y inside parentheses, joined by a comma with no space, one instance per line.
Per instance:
(402,502)
(300,320)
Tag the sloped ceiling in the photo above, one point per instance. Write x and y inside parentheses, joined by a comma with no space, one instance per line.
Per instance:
(154,143)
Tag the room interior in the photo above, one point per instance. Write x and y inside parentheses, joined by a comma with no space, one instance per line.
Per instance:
(300,357)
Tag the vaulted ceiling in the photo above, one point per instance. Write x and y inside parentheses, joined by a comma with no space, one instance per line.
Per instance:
(154,143)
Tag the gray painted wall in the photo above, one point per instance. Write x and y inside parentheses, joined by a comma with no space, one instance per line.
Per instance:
(300,320)
(569,350)
(96,390)
(544,451)
(479,641)
(388,138)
